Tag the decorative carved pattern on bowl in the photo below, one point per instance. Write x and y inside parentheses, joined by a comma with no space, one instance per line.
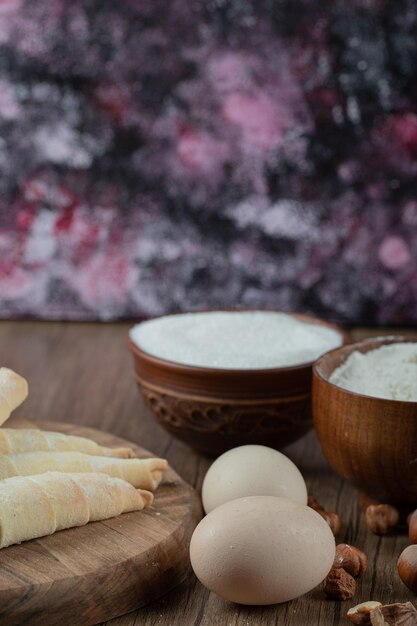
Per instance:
(211,416)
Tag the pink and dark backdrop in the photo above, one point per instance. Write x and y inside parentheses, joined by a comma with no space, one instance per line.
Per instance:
(161,156)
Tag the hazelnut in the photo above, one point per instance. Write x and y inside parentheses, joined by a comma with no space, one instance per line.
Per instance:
(407,567)
(400,614)
(365,501)
(361,613)
(332,519)
(381,518)
(339,585)
(352,559)
(313,504)
(412,527)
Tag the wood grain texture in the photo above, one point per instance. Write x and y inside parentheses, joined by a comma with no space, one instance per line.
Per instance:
(84,575)
(82,373)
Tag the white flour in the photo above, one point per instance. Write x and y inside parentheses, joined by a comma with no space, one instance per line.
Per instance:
(234,340)
(387,372)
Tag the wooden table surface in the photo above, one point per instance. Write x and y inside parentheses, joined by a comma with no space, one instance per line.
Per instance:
(82,373)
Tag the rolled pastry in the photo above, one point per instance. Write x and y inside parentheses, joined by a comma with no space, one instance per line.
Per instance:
(13,390)
(141,473)
(34,506)
(13,440)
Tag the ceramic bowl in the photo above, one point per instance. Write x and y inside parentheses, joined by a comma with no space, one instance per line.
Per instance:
(371,442)
(215,409)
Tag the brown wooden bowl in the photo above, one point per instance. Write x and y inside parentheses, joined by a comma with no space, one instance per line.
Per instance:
(215,409)
(371,442)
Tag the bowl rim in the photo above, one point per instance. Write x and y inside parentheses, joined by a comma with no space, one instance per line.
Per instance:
(184,368)
(382,340)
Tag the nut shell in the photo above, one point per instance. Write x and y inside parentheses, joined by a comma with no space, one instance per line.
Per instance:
(399,614)
(361,613)
(339,585)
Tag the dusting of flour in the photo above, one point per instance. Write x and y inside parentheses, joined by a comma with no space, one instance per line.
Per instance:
(388,372)
(235,339)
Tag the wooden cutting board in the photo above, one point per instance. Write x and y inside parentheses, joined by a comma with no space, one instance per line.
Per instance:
(90,574)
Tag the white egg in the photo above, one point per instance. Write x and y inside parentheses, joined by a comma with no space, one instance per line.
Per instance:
(252,471)
(262,550)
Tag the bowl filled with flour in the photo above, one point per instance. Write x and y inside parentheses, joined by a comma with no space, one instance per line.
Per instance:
(218,379)
(365,415)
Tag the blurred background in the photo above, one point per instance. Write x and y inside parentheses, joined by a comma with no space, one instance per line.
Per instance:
(164,156)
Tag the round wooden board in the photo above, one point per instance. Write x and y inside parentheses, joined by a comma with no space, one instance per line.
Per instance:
(92,573)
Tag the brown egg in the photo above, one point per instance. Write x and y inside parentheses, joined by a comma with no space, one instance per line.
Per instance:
(262,550)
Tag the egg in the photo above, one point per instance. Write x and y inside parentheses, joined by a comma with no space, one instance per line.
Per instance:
(252,471)
(262,550)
